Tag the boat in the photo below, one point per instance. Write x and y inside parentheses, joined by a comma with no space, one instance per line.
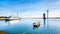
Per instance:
(9,18)
(37,24)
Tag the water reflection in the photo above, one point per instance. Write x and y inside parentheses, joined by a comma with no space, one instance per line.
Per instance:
(27,26)
(12,22)
(47,24)
(35,27)
(44,20)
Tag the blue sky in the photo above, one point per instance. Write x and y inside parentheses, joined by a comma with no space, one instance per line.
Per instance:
(29,7)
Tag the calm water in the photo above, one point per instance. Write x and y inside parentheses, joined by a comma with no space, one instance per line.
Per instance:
(25,26)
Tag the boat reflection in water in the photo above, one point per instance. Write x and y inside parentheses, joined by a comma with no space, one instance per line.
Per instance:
(36,25)
(13,22)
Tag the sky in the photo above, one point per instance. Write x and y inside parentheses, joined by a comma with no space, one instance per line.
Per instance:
(30,8)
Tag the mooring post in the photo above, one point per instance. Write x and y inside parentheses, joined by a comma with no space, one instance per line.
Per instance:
(47,19)
(44,18)
(47,14)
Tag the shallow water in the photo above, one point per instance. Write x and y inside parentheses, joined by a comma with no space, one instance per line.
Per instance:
(25,26)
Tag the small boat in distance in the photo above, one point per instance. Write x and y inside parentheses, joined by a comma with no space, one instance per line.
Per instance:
(9,18)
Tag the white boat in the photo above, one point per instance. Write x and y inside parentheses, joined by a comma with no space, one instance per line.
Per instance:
(37,24)
(9,18)
(12,18)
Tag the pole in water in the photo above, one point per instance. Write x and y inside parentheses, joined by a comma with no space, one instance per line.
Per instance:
(44,18)
(47,20)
